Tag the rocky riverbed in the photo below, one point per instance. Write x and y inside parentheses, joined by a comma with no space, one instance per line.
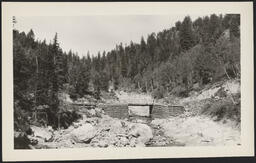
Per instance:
(93,131)
(105,131)
(97,129)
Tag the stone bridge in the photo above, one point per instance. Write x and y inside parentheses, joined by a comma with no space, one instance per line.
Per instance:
(132,109)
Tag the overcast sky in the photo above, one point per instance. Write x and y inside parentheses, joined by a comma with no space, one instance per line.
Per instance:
(96,33)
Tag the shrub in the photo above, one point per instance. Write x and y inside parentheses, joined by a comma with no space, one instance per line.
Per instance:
(21,118)
(159,93)
(72,93)
(180,91)
(68,115)
(223,109)
(21,141)
(221,93)
(21,127)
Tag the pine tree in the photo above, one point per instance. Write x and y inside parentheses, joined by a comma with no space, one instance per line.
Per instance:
(186,36)
(123,61)
(83,80)
(57,79)
(234,26)
(174,59)
(151,45)
(214,28)
(178,25)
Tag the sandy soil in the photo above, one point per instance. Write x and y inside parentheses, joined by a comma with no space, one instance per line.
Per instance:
(199,131)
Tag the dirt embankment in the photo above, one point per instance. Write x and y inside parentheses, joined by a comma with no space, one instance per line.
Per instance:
(212,117)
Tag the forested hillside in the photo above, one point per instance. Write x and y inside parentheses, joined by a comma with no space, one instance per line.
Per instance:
(172,61)
(202,51)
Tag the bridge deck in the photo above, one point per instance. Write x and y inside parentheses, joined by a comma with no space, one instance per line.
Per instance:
(124,110)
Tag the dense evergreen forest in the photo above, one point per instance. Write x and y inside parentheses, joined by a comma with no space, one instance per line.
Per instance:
(173,61)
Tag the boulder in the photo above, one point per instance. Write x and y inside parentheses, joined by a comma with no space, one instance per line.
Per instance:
(124,141)
(92,121)
(76,124)
(132,142)
(50,129)
(142,132)
(102,143)
(98,110)
(232,87)
(91,112)
(42,132)
(84,133)
(116,124)
(84,116)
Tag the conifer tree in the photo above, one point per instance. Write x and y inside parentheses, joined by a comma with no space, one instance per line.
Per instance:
(186,36)
(83,80)
(234,26)
(57,80)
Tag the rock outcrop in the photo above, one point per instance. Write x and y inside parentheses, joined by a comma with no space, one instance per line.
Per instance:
(42,133)
(83,134)
(142,132)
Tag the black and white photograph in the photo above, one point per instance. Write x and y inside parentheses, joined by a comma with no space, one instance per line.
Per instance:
(126,81)
(176,84)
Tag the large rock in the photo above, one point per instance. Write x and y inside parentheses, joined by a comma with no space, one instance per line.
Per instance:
(91,113)
(42,132)
(132,142)
(99,110)
(102,143)
(124,141)
(142,132)
(232,87)
(84,133)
